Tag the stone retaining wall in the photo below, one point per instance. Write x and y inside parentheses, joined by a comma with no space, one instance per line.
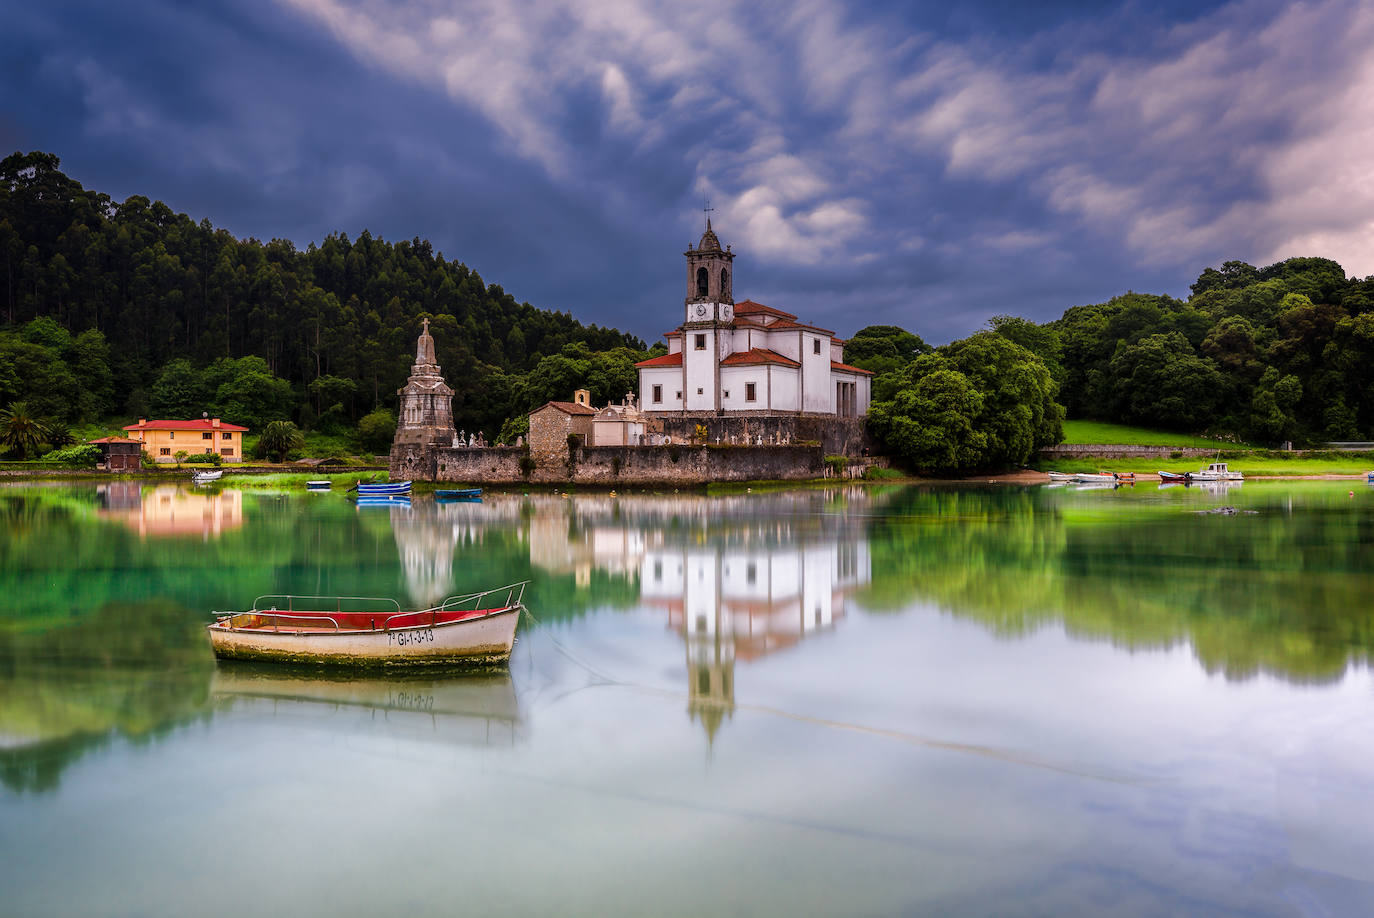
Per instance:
(611,465)
(837,436)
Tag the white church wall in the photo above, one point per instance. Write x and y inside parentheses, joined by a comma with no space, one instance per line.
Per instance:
(784,392)
(836,351)
(787,343)
(670,378)
(818,390)
(734,388)
(675,344)
(701,373)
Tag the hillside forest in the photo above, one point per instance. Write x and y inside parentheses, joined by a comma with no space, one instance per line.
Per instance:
(111,311)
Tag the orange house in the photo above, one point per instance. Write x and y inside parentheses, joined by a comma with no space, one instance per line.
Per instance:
(164,439)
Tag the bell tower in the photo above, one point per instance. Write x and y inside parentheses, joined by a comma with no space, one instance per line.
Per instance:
(709,278)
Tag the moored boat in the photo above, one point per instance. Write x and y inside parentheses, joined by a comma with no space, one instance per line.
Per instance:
(1216,471)
(1061,476)
(457,493)
(1095,478)
(381,489)
(1172,476)
(322,484)
(207,476)
(474,629)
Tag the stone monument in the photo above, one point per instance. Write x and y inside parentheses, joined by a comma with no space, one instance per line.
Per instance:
(426,417)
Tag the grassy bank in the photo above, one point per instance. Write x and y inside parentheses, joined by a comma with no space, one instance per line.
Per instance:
(1099,433)
(1258,464)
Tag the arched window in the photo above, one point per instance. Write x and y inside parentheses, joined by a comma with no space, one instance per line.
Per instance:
(724,282)
(703,282)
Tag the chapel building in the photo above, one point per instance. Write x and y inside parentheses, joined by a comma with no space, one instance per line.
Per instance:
(746,359)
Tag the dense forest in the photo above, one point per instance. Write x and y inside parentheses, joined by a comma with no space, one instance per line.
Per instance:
(127,309)
(1260,355)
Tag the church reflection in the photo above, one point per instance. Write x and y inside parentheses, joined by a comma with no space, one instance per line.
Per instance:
(738,578)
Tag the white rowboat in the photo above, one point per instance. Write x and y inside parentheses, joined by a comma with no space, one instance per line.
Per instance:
(475,630)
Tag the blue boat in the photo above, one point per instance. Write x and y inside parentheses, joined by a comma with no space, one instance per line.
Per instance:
(382,489)
(389,500)
(457,493)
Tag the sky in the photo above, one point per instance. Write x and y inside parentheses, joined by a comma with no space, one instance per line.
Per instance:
(922,164)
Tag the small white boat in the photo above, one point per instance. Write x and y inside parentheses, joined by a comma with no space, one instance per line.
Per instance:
(1216,471)
(206,477)
(476,629)
(322,484)
(1061,476)
(1095,478)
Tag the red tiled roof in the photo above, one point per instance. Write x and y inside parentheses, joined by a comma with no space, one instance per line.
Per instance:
(790,324)
(675,333)
(756,356)
(198,424)
(738,322)
(566,408)
(667,360)
(749,307)
(836,365)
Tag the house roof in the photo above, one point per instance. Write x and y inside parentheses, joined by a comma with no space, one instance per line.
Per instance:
(566,408)
(667,360)
(198,424)
(758,355)
(836,365)
(112,440)
(749,308)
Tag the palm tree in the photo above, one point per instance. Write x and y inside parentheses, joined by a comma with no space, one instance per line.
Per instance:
(21,431)
(279,438)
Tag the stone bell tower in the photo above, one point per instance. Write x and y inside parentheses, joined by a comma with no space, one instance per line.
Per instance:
(426,416)
(708,277)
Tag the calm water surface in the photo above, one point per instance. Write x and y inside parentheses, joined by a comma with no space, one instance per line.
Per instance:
(908,701)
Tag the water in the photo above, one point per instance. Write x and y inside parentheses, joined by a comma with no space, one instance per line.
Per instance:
(964,701)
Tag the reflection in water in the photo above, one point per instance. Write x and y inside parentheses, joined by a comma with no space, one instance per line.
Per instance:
(131,670)
(739,577)
(171,509)
(455,708)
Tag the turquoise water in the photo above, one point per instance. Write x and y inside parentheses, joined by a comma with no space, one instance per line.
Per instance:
(865,701)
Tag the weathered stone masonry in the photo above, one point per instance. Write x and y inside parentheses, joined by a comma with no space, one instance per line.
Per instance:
(611,465)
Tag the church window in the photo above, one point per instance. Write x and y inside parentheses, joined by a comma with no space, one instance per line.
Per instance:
(698,390)
(724,280)
(703,282)
(658,395)
(699,342)
(749,392)
(816,346)
(678,396)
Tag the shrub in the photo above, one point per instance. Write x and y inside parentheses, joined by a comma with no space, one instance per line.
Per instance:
(526,465)
(836,464)
(79,456)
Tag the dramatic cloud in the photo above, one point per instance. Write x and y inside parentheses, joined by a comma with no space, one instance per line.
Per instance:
(868,163)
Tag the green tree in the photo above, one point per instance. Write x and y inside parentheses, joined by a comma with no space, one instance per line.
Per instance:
(20,431)
(983,402)
(376,431)
(278,439)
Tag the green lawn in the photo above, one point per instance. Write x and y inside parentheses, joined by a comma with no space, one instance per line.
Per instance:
(1101,433)
(1259,466)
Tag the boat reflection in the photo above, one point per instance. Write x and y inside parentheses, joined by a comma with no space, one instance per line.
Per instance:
(454,708)
(171,510)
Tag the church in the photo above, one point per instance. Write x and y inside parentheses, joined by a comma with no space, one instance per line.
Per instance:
(746,359)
